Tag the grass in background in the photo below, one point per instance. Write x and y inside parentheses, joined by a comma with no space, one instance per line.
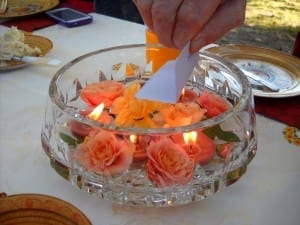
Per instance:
(274,15)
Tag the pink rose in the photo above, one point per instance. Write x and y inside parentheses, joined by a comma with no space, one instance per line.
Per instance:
(213,103)
(168,163)
(105,91)
(103,153)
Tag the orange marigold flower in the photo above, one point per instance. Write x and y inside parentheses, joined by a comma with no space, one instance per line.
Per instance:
(130,111)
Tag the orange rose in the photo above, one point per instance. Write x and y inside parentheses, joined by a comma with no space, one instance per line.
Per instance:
(168,164)
(214,104)
(103,153)
(180,114)
(105,91)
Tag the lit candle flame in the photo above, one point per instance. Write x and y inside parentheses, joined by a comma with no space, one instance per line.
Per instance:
(183,91)
(133,138)
(96,113)
(190,137)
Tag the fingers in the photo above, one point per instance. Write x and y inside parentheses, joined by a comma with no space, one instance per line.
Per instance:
(160,17)
(145,9)
(176,22)
(164,14)
(229,15)
(191,17)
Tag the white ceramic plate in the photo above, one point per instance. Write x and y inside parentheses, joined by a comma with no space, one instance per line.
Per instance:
(278,68)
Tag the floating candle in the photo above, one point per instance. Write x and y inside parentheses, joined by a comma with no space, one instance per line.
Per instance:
(190,137)
(133,138)
(141,143)
(191,147)
(96,113)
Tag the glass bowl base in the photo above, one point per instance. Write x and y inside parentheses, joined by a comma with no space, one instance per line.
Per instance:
(132,188)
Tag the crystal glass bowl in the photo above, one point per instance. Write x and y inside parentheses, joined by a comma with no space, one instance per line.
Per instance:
(109,144)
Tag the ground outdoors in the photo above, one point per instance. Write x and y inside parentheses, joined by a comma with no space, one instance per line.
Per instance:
(269,23)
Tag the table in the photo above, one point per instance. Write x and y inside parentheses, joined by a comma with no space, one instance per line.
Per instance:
(267,194)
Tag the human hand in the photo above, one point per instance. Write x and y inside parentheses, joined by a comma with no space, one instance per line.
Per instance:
(175,22)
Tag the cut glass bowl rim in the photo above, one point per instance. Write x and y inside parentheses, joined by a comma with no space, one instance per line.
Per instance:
(75,114)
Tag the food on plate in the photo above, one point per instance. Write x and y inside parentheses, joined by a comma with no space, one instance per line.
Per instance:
(12,43)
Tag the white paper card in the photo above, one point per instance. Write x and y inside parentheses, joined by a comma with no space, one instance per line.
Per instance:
(167,83)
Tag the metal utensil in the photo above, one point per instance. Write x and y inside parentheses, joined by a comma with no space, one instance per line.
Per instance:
(260,80)
(34,60)
(5,56)
(38,60)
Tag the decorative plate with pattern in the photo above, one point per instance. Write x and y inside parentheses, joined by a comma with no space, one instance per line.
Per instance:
(37,209)
(18,8)
(278,68)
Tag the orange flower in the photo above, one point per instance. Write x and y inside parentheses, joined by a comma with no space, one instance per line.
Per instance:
(180,114)
(105,91)
(214,104)
(103,153)
(168,164)
(130,111)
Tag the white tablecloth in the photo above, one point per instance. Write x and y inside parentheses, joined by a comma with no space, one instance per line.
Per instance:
(269,193)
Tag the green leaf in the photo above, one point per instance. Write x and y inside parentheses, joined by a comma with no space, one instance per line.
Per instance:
(70,140)
(216,131)
(61,169)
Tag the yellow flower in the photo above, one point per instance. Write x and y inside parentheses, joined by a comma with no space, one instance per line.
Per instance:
(130,111)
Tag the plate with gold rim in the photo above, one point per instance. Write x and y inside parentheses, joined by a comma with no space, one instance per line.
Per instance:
(43,43)
(39,209)
(17,8)
(278,68)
